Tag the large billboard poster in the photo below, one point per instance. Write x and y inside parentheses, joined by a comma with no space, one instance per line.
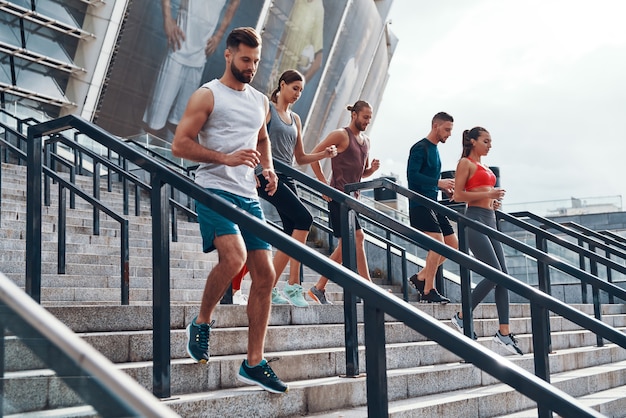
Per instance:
(166,50)
(298,34)
(347,71)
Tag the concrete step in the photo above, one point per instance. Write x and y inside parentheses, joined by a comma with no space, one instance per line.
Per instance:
(610,402)
(424,380)
(447,389)
(501,400)
(111,328)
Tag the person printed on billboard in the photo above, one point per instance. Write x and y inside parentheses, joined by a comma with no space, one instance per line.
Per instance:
(191,37)
(302,44)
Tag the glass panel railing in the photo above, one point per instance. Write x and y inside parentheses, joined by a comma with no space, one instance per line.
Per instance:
(152,144)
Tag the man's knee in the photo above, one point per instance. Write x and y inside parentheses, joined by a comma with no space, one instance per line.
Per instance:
(231,251)
(261,267)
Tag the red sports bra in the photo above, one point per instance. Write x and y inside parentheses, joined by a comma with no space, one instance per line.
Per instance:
(483,176)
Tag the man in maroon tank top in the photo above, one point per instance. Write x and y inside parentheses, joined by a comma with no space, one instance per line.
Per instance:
(349,166)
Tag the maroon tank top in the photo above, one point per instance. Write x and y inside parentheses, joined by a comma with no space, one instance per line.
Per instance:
(349,165)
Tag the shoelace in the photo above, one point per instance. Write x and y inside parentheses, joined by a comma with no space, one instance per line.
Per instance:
(512,337)
(203,333)
(268,370)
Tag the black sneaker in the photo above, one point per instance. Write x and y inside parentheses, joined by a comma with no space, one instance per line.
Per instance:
(198,340)
(262,375)
(417,285)
(434,297)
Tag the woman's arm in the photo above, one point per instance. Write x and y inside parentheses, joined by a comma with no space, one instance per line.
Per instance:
(302,157)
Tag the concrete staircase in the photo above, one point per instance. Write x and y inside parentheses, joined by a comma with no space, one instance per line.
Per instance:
(423,379)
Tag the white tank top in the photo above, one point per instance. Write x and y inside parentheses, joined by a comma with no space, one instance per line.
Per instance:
(234,124)
(198,19)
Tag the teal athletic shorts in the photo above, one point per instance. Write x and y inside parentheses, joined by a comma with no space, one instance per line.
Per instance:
(212,224)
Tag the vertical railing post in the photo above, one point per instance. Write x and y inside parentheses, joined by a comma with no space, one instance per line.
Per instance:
(389,260)
(33,216)
(595,292)
(540,320)
(72,181)
(109,175)
(543,282)
(96,195)
(125,188)
(47,158)
(405,284)
(609,276)
(348,251)
(161,379)
(375,361)
(174,211)
(124,262)
(137,200)
(582,266)
(62,230)
(466,284)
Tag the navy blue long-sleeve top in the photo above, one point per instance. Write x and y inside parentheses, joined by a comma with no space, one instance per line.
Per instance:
(424,170)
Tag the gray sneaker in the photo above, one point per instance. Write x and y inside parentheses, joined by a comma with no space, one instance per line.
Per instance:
(458,324)
(319,296)
(509,342)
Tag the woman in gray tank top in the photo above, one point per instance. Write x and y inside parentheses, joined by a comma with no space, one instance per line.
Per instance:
(285,132)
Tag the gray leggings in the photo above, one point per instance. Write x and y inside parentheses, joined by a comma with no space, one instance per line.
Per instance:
(490,252)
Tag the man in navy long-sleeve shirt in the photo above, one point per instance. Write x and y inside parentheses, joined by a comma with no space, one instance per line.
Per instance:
(423,174)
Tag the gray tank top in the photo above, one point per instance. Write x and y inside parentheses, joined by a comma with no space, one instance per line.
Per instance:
(234,124)
(283,137)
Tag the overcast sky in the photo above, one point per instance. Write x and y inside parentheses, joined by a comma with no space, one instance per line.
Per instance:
(547,79)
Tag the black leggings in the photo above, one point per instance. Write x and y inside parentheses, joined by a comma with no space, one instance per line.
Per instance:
(489,251)
(292,212)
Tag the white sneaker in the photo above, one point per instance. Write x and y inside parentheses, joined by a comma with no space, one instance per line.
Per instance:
(239,298)
(509,342)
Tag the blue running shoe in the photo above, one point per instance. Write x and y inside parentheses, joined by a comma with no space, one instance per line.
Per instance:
(262,375)
(198,340)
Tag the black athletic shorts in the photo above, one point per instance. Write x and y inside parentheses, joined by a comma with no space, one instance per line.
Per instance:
(427,220)
(335,219)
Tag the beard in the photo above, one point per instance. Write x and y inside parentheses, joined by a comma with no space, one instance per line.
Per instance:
(241,76)
(360,126)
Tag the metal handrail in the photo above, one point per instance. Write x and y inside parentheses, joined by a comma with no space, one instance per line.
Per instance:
(607,239)
(98,205)
(542,237)
(541,256)
(586,236)
(376,302)
(539,305)
(84,369)
(389,244)
(100,160)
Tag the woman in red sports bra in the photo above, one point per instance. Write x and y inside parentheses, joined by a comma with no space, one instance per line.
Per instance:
(475,184)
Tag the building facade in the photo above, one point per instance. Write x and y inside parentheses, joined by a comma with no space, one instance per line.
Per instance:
(113,62)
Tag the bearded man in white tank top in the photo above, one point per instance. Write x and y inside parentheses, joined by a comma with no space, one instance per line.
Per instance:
(223,128)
